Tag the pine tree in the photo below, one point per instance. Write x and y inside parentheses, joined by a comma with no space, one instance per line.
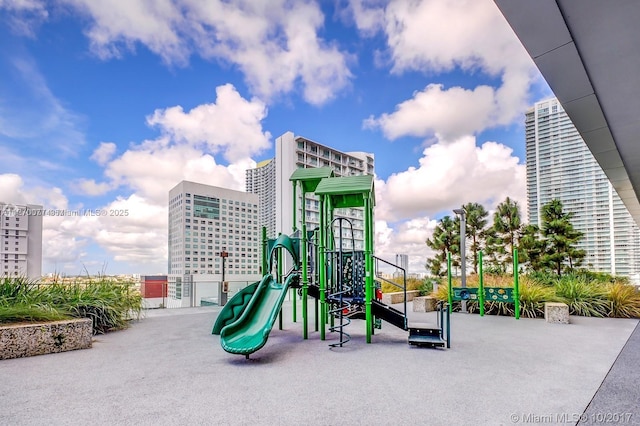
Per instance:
(506,230)
(476,222)
(445,238)
(561,239)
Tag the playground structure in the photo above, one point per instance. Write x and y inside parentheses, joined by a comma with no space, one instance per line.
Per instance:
(325,265)
(482,294)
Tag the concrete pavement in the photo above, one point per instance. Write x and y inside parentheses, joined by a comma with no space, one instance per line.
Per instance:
(167,369)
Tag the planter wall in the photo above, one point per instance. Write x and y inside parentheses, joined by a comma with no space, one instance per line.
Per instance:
(398,297)
(21,340)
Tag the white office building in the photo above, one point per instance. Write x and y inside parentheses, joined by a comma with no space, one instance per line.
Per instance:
(560,166)
(270,180)
(21,240)
(205,222)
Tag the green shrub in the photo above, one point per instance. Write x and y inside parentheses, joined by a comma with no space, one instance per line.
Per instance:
(625,300)
(412,284)
(426,288)
(30,313)
(109,303)
(533,295)
(588,299)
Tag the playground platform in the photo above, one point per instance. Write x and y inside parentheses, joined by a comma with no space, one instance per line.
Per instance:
(168,369)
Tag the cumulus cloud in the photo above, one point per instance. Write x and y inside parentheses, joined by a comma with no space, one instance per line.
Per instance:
(231,125)
(405,237)
(435,36)
(134,228)
(450,113)
(275,43)
(451,174)
(439,35)
(103,153)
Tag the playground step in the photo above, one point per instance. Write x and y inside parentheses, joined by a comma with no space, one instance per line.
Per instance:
(425,334)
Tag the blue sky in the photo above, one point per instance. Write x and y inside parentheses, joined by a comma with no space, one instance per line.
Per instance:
(109,104)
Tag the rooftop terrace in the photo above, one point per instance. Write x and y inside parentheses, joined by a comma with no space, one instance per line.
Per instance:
(169,369)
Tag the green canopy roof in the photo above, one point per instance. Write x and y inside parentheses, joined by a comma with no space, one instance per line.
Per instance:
(311,177)
(347,191)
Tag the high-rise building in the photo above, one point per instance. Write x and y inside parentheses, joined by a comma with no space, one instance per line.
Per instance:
(560,166)
(262,181)
(21,240)
(402,260)
(270,180)
(212,231)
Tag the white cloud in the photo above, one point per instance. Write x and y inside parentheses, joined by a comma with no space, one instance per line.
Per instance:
(91,187)
(274,43)
(103,153)
(24,16)
(231,125)
(439,35)
(436,36)
(449,113)
(144,173)
(405,237)
(451,174)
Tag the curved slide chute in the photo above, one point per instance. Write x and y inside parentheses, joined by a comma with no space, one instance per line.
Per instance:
(251,330)
(234,307)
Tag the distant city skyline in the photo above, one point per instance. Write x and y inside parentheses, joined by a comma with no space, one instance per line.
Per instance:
(106,109)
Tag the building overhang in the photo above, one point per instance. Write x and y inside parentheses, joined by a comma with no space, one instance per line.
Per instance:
(587,50)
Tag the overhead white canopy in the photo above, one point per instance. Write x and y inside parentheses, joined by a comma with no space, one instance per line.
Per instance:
(589,53)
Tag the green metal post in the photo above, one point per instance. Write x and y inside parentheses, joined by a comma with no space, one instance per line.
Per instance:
(295,305)
(315,300)
(516,286)
(322,272)
(449,283)
(293,290)
(295,184)
(265,255)
(279,279)
(305,289)
(480,284)
(331,246)
(368,256)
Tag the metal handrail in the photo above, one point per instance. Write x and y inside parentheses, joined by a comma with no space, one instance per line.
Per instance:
(404,281)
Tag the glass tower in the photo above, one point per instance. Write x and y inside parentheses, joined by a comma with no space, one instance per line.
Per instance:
(560,166)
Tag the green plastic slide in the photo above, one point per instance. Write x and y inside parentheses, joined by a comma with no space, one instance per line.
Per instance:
(250,331)
(234,307)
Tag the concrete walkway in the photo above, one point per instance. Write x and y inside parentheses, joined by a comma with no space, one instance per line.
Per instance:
(167,369)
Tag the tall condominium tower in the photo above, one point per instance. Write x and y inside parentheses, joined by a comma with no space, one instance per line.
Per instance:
(560,166)
(21,240)
(206,223)
(270,180)
(262,181)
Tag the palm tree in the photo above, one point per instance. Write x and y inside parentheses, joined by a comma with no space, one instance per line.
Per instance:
(476,223)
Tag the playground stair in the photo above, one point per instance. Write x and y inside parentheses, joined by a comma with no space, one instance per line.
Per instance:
(425,334)
(420,334)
